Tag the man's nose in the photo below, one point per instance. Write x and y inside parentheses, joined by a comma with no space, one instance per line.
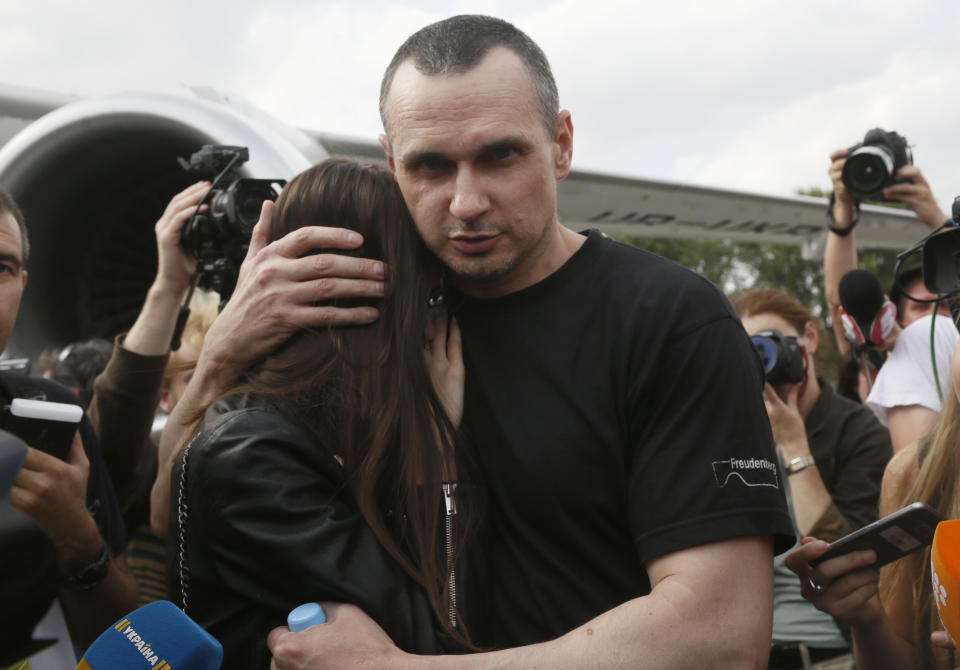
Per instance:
(469,199)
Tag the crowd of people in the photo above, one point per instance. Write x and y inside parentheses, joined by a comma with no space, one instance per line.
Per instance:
(477,437)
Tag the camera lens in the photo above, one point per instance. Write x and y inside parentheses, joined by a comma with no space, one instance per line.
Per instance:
(867,171)
(767,350)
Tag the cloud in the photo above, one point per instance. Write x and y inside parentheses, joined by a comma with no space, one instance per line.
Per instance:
(744,94)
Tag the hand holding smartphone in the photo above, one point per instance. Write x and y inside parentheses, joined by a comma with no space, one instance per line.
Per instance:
(892,537)
(43,425)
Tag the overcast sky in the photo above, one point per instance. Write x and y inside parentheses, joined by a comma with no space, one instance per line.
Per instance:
(740,94)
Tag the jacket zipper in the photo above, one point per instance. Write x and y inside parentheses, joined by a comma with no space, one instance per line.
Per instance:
(450,501)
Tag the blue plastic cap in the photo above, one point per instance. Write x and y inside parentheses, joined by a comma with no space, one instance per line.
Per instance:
(301,618)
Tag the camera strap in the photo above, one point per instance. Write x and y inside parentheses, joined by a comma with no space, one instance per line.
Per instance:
(832,223)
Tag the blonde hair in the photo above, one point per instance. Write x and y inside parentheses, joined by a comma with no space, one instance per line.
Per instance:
(203,310)
(937,485)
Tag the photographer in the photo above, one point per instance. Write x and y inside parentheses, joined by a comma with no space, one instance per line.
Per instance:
(832,454)
(840,254)
(906,420)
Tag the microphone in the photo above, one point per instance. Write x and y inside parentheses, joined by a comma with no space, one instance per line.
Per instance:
(945,572)
(867,314)
(12,453)
(157,636)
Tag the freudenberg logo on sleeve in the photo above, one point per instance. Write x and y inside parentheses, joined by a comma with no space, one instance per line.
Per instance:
(746,471)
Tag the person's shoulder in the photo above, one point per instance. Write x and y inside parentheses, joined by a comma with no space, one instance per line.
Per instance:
(850,410)
(249,439)
(659,281)
(919,330)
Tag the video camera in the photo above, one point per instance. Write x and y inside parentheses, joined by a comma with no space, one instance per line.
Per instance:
(781,355)
(939,259)
(871,164)
(219,237)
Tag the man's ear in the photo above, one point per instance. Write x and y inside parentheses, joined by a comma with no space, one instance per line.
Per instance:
(23,280)
(385,143)
(562,144)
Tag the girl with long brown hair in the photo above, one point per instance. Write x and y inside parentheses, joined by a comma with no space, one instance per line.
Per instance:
(891,613)
(340,482)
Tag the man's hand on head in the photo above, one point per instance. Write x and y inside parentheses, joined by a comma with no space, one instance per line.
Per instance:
(279,287)
(915,191)
(349,639)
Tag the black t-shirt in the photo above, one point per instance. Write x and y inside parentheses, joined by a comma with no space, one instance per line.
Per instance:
(616,407)
(101,498)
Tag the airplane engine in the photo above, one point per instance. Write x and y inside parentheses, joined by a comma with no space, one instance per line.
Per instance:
(93,177)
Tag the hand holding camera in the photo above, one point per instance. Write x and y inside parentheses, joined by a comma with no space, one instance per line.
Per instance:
(880,168)
(176,267)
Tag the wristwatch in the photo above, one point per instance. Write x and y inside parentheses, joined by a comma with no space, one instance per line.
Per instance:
(89,575)
(799,463)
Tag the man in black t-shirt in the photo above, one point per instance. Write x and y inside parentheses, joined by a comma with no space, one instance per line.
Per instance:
(614,398)
(72,500)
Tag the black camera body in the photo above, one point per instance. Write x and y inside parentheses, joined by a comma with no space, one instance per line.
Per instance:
(872,164)
(782,356)
(940,257)
(219,237)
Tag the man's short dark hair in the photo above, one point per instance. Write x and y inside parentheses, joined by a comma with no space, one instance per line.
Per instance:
(9,206)
(897,295)
(459,43)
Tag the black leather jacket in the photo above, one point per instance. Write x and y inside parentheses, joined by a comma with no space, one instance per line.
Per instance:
(260,524)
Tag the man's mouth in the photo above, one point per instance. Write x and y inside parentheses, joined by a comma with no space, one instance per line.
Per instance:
(474,244)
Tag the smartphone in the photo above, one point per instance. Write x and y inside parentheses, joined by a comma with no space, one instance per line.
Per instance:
(892,537)
(43,425)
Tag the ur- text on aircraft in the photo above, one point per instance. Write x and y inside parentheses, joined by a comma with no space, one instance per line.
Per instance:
(93,175)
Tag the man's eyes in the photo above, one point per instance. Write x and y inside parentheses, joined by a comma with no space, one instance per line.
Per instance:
(501,153)
(434,164)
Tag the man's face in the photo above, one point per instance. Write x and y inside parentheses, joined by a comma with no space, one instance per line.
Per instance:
(478,170)
(913,310)
(12,275)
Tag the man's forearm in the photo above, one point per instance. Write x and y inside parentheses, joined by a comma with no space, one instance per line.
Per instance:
(649,632)
(839,257)
(89,613)
(152,331)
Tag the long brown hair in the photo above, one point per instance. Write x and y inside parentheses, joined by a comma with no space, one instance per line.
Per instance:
(937,484)
(365,390)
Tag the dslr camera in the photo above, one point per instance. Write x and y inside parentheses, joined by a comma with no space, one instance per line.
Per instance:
(781,355)
(871,164)
(219,237)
